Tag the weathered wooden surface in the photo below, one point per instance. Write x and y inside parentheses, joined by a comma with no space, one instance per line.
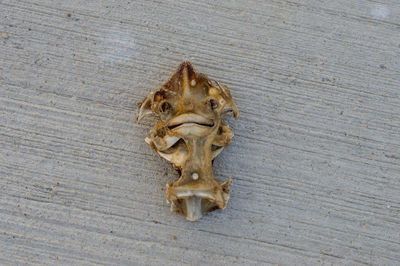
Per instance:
(315,161)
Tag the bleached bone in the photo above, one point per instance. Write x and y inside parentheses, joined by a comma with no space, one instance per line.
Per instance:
(190,134)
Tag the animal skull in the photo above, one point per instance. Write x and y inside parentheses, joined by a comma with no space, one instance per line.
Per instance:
(190,134)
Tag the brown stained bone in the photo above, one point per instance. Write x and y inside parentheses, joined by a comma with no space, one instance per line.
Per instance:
(190,134)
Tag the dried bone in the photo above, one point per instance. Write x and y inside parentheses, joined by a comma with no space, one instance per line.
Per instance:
(190,134)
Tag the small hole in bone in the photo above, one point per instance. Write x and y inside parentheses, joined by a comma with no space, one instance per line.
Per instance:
(193,83)
(161,132)
(179,171)
(215,147)
(213,104)
(166,106)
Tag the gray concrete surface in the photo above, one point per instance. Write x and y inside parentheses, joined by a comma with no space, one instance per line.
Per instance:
(315,161)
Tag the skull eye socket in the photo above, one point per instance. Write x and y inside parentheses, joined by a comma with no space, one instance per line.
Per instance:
(160,95)
(212,103)
(165,107)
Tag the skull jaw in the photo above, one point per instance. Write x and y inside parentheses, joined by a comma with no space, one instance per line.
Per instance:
(194,202)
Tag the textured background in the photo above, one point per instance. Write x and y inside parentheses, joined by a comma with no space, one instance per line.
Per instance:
(315,160)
